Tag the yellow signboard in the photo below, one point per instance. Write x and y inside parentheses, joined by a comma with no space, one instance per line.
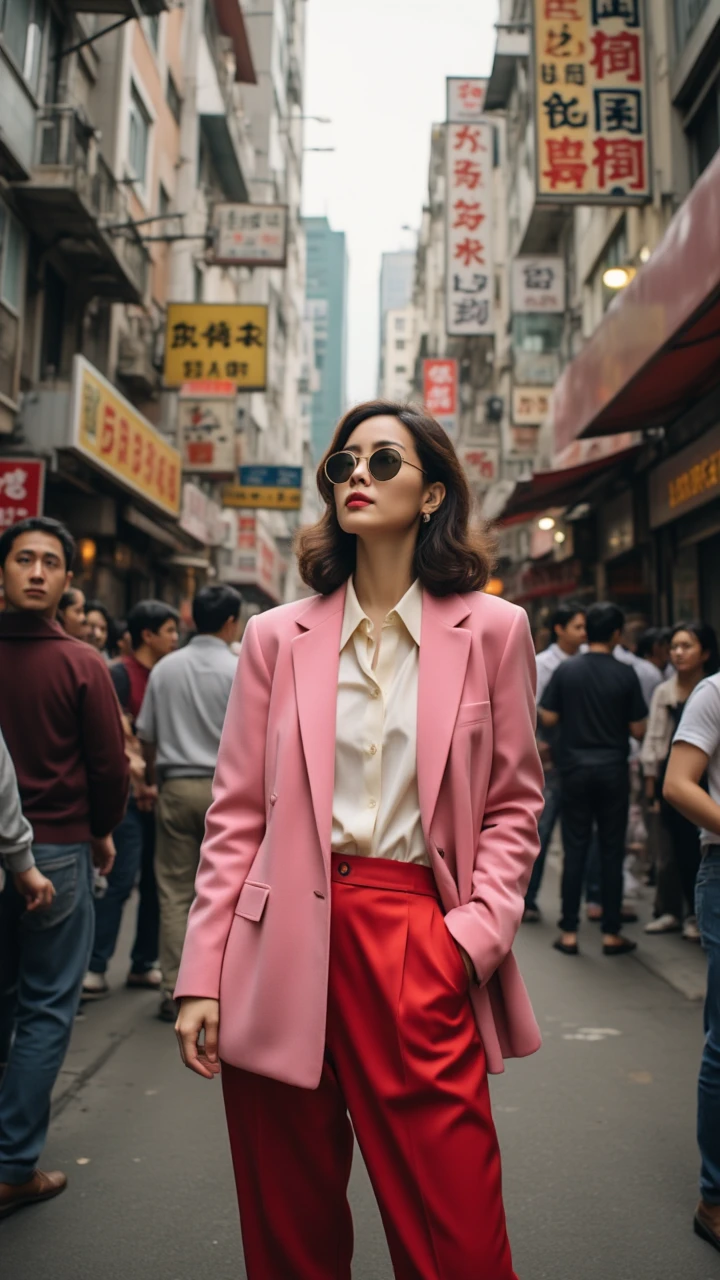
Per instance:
(216,341)
(591,102)
(108,431)
(238,495)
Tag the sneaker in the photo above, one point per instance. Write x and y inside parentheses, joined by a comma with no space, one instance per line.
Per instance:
(148,980)
(169,1008)
(95,986)
(690,931)
(664,924)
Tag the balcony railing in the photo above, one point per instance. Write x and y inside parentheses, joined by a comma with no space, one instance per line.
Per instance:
(73,195)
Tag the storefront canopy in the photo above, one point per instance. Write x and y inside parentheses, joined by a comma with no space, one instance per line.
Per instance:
(232,24)
(658,348)
(553,489)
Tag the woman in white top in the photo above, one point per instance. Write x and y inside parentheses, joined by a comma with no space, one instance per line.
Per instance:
(694,654)
(373,827)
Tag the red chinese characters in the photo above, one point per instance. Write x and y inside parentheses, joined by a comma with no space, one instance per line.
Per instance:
(469,271)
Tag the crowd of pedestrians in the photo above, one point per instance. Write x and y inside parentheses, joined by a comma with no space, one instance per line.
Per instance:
(108,791)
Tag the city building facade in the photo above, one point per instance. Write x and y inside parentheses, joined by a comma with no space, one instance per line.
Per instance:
(326,311)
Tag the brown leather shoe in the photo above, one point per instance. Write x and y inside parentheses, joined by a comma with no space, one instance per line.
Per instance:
(42,1186)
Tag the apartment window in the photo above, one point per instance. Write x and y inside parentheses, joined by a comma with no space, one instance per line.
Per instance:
(400,344)
(400,368)
(11,257)
(22,24)
(704,131)
(173,99)
(139,135)
(400,324)
(687,16)
(536,333)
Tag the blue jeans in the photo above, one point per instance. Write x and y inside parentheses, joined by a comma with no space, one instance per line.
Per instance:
(135,856)
(546,826)
(43,958)
(707,909)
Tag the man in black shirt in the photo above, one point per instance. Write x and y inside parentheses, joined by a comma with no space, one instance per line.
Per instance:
(597,703)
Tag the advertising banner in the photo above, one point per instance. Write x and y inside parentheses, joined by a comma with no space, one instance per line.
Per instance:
(112,435)
(206,426)
(250,235)
(440,392)
(207,340)
(481,466)
(469,280)
(530,406)
(591,102)
(538,284)
(22,489)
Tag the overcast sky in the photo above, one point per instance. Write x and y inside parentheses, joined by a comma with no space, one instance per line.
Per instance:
(378,68)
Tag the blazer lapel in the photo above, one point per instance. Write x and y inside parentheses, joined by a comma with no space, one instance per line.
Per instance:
(444,653)
(316,661)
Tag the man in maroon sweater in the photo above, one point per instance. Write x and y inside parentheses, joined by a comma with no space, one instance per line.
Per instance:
(60,719)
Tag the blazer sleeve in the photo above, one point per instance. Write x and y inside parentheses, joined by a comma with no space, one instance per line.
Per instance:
(235,823)
(508,844)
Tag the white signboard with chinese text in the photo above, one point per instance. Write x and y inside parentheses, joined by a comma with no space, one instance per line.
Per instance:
(481,465)
(530,406)
(538,284)
(469,279)
(465,99)
(206,423)
(250,235)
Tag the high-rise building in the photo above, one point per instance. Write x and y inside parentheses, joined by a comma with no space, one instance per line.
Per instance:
(396,290)
(326,293)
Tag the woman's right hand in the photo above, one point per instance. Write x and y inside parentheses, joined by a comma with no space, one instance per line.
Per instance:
(197,1015)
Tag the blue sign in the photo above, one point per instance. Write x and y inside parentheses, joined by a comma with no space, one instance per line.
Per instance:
(271,477)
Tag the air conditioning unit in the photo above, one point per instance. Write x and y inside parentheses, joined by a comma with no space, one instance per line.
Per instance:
(135,363)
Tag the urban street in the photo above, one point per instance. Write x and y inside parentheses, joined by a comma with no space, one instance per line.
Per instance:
(596,1132)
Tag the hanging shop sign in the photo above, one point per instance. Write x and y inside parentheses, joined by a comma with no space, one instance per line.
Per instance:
(216,341)
(465,99)
(481,466)
(274,488)
(254,560)
(201,517)
(538,284)
(469,281)
(22,490)
(206,426)
(113,436)
(688,480)
(530,406)
(440,392)
(250,235)
(591,102)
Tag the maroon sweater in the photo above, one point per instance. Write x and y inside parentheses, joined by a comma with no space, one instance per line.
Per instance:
(60,718)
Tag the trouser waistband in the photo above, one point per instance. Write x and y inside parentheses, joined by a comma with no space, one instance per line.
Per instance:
(383,873)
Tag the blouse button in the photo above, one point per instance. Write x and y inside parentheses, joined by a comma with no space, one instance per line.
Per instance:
(373,750)
(372,803)
(375,693)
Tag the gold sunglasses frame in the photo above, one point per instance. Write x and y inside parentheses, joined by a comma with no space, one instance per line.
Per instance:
(361,457)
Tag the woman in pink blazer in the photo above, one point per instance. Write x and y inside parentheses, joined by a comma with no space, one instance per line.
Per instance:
(373,828)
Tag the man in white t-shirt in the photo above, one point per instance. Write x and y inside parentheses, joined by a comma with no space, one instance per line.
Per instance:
(696,754)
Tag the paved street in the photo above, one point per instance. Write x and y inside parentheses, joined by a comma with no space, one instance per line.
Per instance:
(597,1134)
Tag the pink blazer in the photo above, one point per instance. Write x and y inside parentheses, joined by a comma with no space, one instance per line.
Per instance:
(258,934)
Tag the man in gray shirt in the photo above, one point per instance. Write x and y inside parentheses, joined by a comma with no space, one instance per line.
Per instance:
(179,725)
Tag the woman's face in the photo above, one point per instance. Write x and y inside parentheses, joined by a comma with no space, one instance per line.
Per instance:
(98,630)
(368,507)
(74,618)
(686,653)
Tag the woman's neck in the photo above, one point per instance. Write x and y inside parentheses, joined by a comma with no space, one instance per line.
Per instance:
(384,572)
(687,680)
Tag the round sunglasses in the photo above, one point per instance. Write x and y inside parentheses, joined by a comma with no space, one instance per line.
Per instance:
(383,464)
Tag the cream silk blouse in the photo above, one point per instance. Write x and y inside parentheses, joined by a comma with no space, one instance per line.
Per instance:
(376,810)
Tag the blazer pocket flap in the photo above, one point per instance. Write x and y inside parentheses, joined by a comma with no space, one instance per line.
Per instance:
(251,902)
(472,713)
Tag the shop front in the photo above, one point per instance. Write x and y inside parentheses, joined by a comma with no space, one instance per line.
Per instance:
(653,366)
(684,508)
(115,481)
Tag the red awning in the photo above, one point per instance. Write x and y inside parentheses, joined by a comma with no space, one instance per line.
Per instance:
(658,348)
(558,488)
(232,24)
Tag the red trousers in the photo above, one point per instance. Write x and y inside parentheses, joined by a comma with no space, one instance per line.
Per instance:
(404,1058)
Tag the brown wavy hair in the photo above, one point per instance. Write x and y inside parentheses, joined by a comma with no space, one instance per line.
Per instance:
(449,556)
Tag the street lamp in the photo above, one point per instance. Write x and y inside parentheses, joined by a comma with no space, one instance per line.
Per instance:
(618,277)
(546,523)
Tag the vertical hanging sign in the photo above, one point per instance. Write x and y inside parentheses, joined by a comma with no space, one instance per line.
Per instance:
(469,279)
(591,102)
